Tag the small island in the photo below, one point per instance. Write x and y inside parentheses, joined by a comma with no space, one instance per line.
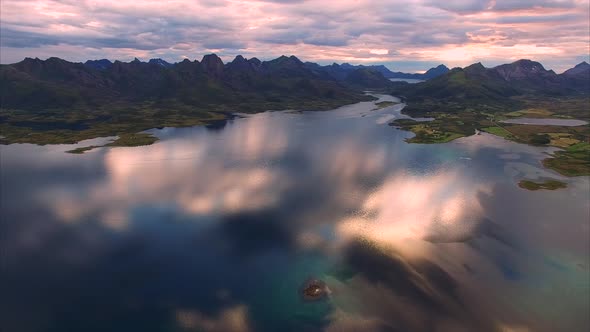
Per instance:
(425,133)
(383,104)
(83,149)
(314,290)
(546,185)
(128,140)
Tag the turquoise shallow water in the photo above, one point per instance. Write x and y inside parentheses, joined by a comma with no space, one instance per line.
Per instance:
(217,229)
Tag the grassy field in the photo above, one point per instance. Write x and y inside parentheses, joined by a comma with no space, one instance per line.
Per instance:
(428,136)
(383,104)
(556,107)
(573,161)
(530,113)
(138,139)
(498,131)
(562,140)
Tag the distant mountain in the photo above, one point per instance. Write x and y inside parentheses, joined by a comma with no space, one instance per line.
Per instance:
(430,73)
(578,76)
(436,71)
(477,86)
(531,76)
(367,78)
(522,70)
(380,69)
(340,71)
(38,85)
(160,62)
(581,69)
(99,64)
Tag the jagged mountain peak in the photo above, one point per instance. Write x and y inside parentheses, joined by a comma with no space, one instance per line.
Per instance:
(582,68)
(208,58)
(100,64)
(212,64)
(240,63)
(239,58)
(476,66)
(255,62)
(522,69)
(160,62)
(526,64)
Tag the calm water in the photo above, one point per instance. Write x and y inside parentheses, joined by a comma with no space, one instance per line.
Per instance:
(409,80)
(547,122)
(217,229)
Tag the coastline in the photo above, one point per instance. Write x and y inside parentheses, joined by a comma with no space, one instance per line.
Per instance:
(73,128)
(574,141)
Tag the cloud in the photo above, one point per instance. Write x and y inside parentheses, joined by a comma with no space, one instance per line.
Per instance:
(461,6)
(326,41)
(334,32)
(224,44)
(379,51)
(528,4)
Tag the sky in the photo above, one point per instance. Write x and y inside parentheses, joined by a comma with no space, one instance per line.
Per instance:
(410,35)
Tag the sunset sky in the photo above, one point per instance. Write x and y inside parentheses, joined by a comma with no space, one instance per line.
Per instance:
(403,35)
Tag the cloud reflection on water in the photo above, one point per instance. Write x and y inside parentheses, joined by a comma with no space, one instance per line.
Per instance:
(425,232)
(396,211)
(233,319)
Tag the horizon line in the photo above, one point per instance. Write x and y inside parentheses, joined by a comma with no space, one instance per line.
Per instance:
(287,56)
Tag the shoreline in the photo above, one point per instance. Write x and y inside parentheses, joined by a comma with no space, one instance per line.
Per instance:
(138,123)
(574,141)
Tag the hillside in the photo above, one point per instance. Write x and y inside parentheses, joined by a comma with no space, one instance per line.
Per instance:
(38,85)
(502,88)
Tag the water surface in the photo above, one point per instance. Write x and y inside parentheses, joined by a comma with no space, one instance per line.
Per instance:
(547,122)
(409,80)
(217,229)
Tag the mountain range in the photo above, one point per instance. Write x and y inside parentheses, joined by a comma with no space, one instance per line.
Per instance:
(38,85)
(339,71)
(494,88)
(430,73)
(35,84)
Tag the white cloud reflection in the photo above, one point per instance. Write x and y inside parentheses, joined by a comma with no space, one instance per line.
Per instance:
(233,319)
(407,209)
(349,181)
